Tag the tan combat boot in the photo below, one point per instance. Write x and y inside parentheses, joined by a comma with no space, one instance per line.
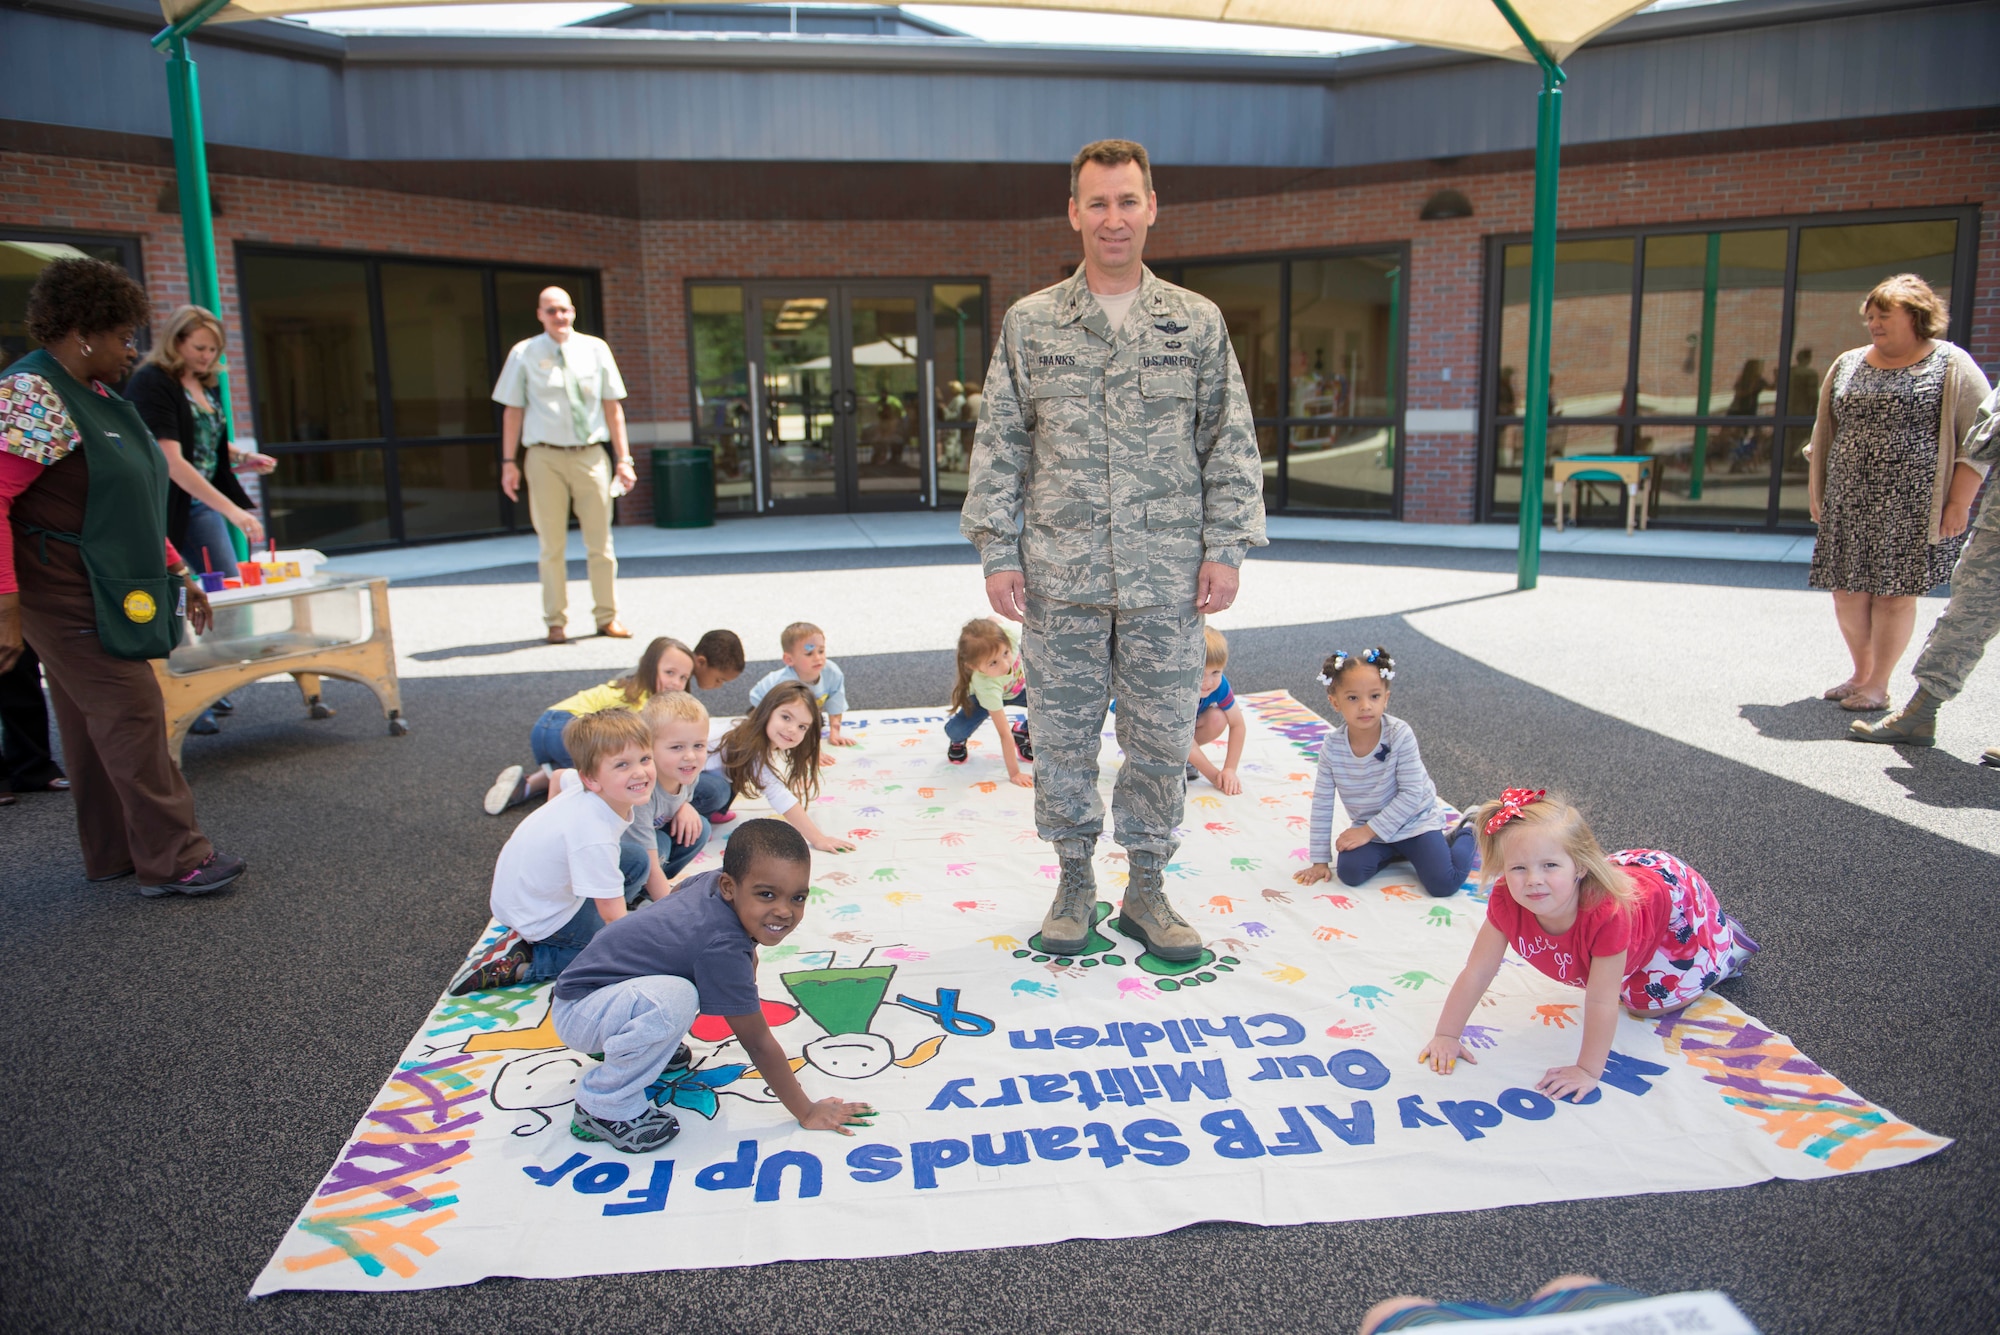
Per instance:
(1990,756)
(1915,724)
(1066,928)
(1147,915)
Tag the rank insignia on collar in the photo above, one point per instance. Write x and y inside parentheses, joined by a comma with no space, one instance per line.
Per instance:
(1169,327)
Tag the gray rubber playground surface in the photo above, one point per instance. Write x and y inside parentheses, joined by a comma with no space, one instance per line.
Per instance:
(181,1073)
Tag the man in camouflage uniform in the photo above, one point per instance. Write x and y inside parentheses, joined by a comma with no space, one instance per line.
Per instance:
(1970,620)
(1115,487)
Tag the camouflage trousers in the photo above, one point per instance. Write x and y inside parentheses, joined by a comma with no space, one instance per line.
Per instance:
(1077,658)
(1969,621)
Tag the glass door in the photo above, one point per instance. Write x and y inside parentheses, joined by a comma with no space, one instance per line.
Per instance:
(842,375)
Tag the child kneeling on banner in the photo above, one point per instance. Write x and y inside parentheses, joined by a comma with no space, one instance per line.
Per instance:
(1370,762)
(1215,711)
(558,880)
(990,677)
(634,992)
(1639,927)
(666,832)
(744,759)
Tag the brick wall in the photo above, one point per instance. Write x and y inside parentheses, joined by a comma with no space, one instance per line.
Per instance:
(645,264)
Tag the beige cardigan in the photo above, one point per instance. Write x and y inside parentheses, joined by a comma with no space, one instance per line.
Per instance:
(1964,386)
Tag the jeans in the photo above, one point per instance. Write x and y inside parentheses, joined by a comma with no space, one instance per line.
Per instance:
(208,531)
(712,795)
(1439,866)
(554,951)
(673,856)
(636,1024)
(545,739)
(960,726)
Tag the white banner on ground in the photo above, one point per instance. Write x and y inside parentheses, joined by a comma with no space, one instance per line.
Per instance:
(1028,1098)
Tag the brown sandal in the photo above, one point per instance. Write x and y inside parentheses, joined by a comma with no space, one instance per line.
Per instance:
(1858,703)
(1840,692)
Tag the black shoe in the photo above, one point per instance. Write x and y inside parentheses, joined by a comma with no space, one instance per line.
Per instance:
(1022,745)
(219,870)
(205,726)
(955,753)
(223,706)
(110,876)
(647,1132)
(505,971)
(682,1059)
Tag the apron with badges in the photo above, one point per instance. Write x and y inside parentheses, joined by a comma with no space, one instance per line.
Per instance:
(124,519)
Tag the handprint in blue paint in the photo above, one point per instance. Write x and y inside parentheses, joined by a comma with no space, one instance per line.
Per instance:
(1369,995)
(1254,929)
(1028,988)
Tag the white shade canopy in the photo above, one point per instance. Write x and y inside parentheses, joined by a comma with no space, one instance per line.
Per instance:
(1463,25)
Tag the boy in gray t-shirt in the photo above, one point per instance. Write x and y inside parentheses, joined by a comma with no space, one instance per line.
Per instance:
(633,994)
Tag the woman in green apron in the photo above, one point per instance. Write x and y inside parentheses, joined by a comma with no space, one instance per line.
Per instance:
(89,580)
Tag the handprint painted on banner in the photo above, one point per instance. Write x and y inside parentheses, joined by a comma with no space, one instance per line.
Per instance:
(1362,1030)
(1277,897)
(1222,827)
(1285,973)
(1000,942)
(1137,987)
(869,811)
(1369,995)
(986,786)
(1027,987)
(951,838)
(850,938)
(902,897)
(839,878)
(1206,801)
(1478,1036)
(885,874)
(1555,1014)
(847,910)
(1221,904)
(1401,892)
(1338,901)
(1329,933)
(863,833)
(1295,824)
(959,869)
(818,894)
(1257,929)
(1439,916)
(974,905)
(1244,864)
(1415,979)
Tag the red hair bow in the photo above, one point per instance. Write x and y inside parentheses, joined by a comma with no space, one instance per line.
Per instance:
(1511,802)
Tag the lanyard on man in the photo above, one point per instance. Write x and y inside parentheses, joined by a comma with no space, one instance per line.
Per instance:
(579,417)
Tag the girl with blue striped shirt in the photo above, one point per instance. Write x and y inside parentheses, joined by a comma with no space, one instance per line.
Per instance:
(1370,762)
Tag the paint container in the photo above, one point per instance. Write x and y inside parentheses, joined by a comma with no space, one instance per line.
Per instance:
(252,573)
(229,583)
(272,571)
(292,570)
(211,581)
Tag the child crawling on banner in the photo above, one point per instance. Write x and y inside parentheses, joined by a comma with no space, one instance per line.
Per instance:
(1370,762)
(1639,927)
(634,992)
(990,677)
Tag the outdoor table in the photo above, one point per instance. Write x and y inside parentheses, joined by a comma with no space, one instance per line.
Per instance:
(324,625)
(1633,470)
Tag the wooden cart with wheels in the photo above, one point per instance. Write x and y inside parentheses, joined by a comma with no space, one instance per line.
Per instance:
(326,626)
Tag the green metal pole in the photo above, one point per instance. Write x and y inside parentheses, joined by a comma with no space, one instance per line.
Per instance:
(1698,461)
(1541,301)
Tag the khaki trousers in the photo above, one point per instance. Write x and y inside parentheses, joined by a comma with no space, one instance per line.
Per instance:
(559,478)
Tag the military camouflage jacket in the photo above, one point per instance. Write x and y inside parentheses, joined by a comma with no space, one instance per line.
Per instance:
(1107,467)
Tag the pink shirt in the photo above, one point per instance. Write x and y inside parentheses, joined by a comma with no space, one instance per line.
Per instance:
(1603,929)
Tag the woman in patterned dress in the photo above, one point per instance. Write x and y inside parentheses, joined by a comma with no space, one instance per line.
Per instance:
(1888,484)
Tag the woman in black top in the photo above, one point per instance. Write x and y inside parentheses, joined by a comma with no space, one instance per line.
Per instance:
(174,393)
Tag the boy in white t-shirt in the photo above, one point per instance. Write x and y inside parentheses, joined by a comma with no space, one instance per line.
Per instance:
(558,880)
(666,832)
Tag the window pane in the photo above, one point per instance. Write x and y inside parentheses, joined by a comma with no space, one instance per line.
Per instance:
(327,499)
(434,319)
(21,262)
(1710,473)
(1248,296)
(721,363)
(1792,508)
(517,292)
(888,386)
(1837,267)
(1341,468)
(1268,438)
(449,489)
(958,339)
(954,448)
(312,355)
(1563,441)
(798,428)
(1737,370)
(735,483)
(1589,335)
(1343,353)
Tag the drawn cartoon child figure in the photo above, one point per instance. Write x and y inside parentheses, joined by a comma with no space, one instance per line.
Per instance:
(847,1002)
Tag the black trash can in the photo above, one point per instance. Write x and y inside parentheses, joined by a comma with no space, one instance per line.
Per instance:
(684,487)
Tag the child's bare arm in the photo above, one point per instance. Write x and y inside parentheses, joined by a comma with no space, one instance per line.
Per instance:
(1444,1049)
(776,1071)
(803,823)
(1009,754)
(835,736)
(1238,730)
(612,909)
(656,876)
(1600,1022)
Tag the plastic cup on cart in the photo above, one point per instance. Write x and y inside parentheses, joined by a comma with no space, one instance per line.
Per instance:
(211,581)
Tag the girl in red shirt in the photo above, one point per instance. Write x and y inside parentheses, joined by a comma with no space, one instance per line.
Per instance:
(1639,927)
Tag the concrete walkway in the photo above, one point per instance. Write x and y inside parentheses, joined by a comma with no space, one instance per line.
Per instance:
(800,533)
